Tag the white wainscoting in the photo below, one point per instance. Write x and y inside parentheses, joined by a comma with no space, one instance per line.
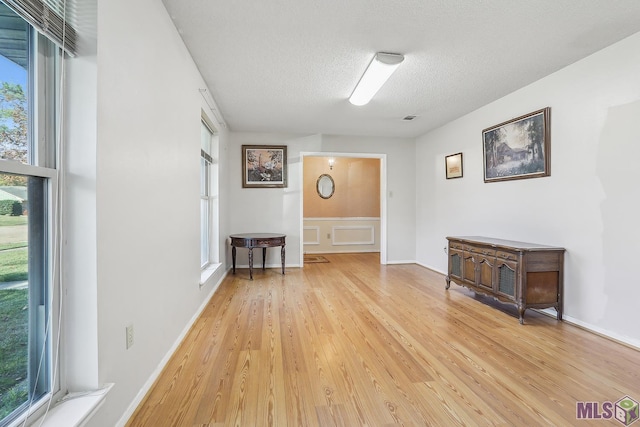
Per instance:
(353,235)
(311,235)
(336,235)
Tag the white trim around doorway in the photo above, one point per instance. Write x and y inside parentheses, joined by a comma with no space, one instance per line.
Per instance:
(383,194)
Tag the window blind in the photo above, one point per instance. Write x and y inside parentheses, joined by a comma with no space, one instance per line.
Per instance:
(49,17)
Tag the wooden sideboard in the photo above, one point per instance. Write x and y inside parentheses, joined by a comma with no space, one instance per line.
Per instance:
(525,274)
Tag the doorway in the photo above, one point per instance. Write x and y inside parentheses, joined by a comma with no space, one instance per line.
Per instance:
(351,217)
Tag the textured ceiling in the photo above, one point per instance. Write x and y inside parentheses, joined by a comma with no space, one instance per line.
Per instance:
(289,66)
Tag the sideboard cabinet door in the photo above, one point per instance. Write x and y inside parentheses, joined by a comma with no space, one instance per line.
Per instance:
(468,267)
(507,278)
(486,269)
(455,264)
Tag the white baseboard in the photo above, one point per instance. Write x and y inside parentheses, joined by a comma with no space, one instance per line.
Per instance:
(631,342)
(156,373)
(342,251)
(396,262)
(444,273)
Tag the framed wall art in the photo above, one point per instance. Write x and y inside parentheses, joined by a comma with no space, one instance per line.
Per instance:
(264,166)
(518,148)
(453,166)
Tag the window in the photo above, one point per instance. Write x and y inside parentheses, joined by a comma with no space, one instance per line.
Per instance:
(205,193)
(208,196)
(28,73)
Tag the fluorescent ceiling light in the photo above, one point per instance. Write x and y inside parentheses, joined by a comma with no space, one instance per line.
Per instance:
(377,73)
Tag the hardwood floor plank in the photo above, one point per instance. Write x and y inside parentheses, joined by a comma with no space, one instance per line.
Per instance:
(353,343)
(334,415)
(299,403)
(212,408)
(271,394)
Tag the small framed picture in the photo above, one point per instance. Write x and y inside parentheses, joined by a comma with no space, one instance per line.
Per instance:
(264,166)
(453,165)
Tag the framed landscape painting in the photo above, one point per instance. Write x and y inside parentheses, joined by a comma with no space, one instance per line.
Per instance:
(264,166)
(518,148)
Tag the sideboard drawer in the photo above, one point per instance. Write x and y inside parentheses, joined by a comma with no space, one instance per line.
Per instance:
(507,255)
(487,252)
(480,250)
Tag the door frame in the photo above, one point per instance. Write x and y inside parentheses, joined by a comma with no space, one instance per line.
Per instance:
(383,195)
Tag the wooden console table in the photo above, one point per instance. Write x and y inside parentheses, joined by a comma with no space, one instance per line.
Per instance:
(525,274)
(256,240)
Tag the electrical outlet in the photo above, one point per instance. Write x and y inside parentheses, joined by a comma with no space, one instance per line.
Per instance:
(129,336)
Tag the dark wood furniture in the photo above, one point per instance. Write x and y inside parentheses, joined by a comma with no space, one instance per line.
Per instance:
(257,240)
(525,274)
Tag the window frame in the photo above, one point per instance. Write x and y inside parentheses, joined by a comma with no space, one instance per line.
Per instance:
(43,71)
(212,264)
(206,161)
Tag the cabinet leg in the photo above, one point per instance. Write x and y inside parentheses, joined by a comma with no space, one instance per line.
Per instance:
(521,310)
(448,282)
(250,263)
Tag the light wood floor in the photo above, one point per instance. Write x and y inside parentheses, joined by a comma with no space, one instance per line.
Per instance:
(352,343)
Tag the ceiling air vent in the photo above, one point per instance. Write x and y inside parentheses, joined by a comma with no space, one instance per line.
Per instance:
(408,118)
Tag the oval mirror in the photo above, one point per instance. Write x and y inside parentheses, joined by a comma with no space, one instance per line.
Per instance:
(325,186)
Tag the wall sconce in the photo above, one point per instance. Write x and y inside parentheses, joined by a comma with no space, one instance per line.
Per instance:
(332,162)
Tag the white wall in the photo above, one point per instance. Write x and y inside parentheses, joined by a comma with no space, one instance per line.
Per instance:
(401,189)
(278,209)
(588,205)
(268,210)
(142,241)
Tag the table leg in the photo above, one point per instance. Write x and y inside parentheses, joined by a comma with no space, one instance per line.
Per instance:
(264,256)
(233,257)
(250,263)
(282,258)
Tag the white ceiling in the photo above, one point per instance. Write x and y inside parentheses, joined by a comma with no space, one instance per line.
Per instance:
(289,66)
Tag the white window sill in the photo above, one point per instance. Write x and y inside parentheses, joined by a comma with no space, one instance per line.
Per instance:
(75,409)
(207,272)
